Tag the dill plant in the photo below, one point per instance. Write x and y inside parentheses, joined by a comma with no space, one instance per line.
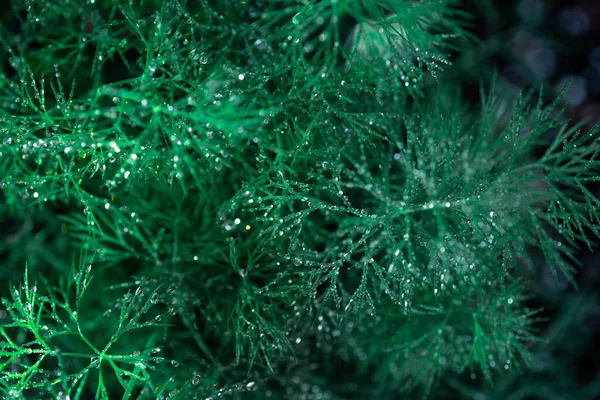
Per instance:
(270,199)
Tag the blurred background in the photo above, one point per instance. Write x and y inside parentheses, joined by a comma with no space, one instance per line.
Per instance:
(530,43)
(552,42)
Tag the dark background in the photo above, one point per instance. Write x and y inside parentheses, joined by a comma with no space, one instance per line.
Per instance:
(530,43)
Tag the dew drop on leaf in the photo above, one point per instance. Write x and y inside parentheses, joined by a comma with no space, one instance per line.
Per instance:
(196,379)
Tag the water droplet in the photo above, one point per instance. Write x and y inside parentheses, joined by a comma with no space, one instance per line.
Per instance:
(196,379)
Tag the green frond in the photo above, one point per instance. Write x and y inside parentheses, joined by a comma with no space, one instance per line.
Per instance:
(268,193)
(52,329)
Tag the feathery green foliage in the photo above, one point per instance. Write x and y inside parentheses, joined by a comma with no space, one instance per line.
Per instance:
(267,192)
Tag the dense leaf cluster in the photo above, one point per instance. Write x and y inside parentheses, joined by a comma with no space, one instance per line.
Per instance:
(275,198)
